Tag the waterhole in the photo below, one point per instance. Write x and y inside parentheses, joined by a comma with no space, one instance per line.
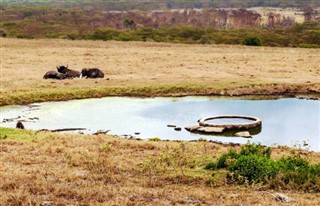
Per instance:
(290,121)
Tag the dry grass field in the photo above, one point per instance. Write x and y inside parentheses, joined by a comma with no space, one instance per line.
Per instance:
(53,169)
(43,168)
(148,69)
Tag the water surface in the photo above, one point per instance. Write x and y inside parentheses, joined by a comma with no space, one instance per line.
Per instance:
(291,122)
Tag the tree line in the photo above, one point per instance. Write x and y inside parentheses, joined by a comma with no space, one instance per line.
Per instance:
(207,26)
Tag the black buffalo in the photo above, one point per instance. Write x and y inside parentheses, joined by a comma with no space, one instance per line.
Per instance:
(19,125)
(54,75)
(68,72)
(91,73)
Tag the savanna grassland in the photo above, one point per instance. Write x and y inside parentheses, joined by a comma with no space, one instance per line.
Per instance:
(153,69)
(56,169)
(42,168)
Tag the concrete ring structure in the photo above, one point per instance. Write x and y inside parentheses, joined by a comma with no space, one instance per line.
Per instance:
(256,122)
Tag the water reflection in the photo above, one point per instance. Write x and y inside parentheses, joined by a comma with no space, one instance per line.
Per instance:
(285,121)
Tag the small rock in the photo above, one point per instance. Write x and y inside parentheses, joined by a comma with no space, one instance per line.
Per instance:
(282,198)
(192,128)
(193,201)
(46,203)
(177,128)
(243,134)
(211,129)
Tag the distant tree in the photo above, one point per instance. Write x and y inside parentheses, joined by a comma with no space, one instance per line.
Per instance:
(129,24)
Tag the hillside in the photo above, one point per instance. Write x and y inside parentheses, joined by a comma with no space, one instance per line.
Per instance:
(165,4)
(273,27)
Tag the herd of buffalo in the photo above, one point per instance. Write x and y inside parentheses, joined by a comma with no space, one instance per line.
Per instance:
(65,73)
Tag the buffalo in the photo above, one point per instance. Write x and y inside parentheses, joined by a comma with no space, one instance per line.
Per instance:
(54,75)
(91,73)
(68,72)
(19,125)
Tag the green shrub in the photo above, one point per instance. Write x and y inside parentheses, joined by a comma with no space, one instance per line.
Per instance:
(154,139)
(127,37)
(251,41)
(255,168)
(226,159)
(72,36)
(205,39)
(253,164)
(255,149)
(104,34)
(25,36)
(211,166)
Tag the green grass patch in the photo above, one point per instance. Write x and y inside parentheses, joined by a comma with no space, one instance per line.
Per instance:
(253,165)
(165,90)
(17,134)
(308,46)
(154,139)
(98,92)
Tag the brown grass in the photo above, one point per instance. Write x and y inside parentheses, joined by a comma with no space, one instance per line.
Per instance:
(208,69)
(105,170)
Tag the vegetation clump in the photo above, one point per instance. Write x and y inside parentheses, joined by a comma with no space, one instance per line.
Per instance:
(251,41)
(253,165)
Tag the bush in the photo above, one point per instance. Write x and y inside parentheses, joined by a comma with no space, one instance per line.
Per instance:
(253,164)
(154,139)
(104,34)
(127,37)
(205,39)
(251,41)
(255,149)
(24,36)
(255,168)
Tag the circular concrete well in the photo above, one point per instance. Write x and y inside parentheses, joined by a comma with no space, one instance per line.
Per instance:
(228,125)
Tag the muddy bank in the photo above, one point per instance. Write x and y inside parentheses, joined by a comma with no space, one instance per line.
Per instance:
(307,91)
(268,91)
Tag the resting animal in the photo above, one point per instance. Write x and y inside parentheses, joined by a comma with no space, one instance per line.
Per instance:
(68,72)
(91,73)
(54,75)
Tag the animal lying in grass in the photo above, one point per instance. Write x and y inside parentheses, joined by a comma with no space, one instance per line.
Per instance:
(64,72)
(91,73)
(68,72)
(54,75)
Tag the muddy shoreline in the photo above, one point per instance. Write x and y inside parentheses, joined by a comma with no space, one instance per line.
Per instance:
(272,91)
